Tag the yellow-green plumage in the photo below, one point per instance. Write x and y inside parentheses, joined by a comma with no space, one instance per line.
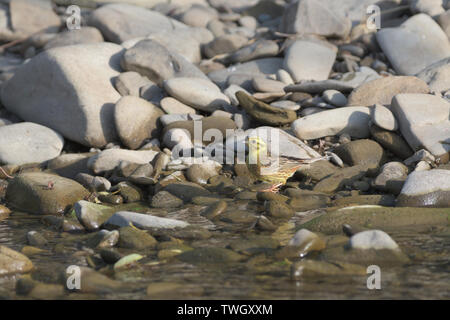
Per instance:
(268,169)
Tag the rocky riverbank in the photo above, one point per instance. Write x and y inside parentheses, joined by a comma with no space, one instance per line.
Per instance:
(123,145)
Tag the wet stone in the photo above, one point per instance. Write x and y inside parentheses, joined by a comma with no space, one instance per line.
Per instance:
(164,199)
(132,238)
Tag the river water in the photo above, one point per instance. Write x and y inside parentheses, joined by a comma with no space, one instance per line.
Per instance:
(426,277)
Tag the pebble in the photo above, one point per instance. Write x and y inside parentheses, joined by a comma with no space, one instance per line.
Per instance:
(335,98)
(392,142)
(129,83)
(351,120)
(267,85)
(226,43)
(361,152)
(308,60)
(416,44)
(198,93)
(384,118)
(28,142)
(136,120)
(391,178)
(173,106)
(285,77)
(92,183)
(372,239)
(251,69)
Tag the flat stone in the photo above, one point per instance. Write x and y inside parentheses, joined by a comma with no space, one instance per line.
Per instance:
(286,104)
(384,118)
(143,221)
(12,262)
(424,121)
(264,113)
(186,190)
(76,102)
(351,120)
(198,93)
(426,189)
(119,22)
(378,217)
(347,83)
(28,142)
(309,60)
(73,37)
(136,120)
(30,192)
(109,159)
(416,44)
(151,59)
(309,17)
(381,91)
(387,200)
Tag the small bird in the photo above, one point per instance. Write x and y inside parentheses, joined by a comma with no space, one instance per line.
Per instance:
(274,170)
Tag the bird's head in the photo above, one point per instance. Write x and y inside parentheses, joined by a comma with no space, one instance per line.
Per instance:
(257,145)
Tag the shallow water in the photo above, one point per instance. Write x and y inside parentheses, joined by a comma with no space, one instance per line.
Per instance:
(427,277)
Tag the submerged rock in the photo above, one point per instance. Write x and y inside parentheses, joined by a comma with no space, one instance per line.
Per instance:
(143,221)
(378,217)
(12,262)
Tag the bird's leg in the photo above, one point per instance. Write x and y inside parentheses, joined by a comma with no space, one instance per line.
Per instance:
(274,188)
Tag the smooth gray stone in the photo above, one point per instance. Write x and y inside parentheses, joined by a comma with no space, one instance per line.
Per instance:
(143,221)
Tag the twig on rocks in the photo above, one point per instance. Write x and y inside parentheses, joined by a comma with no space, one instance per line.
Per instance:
(6,174)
